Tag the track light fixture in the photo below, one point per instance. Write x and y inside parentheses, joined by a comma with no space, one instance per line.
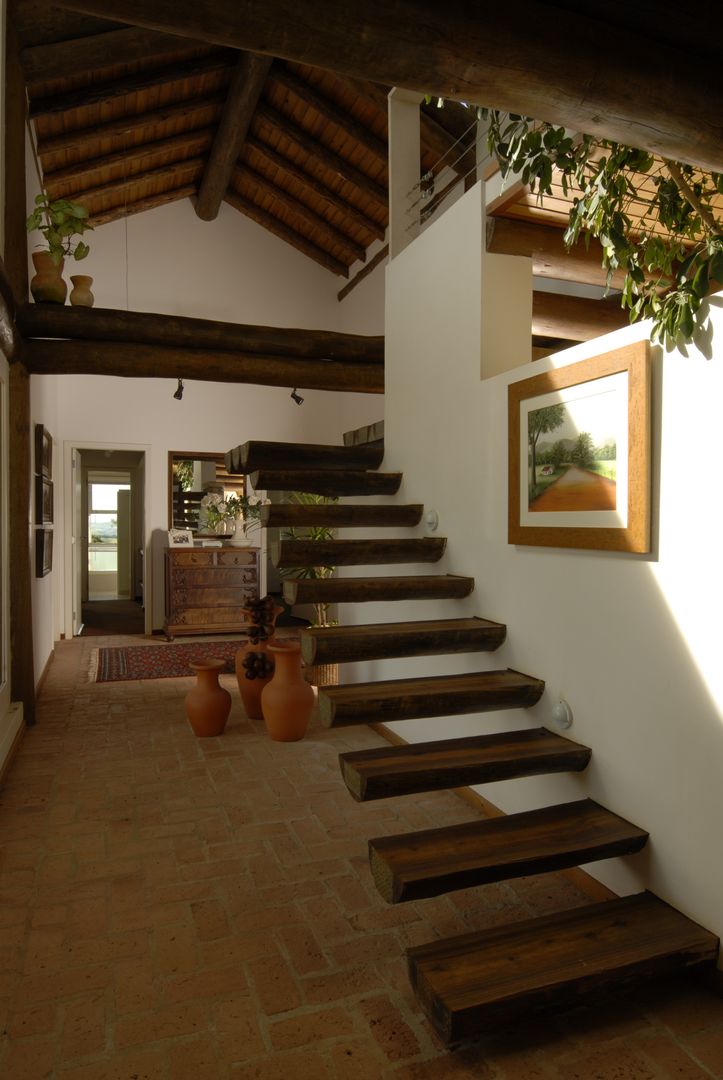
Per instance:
(295,396)
(179,391)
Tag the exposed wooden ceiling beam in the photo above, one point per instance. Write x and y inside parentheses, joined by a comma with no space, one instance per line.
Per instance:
(189,143)
(609,83)
(295,206)
(435,138)
(247,82)
(331,161)
(64,59)
(365,271)
(131,84)
(178,173)
(574,318)
(545,246)
(330,111)
(331,198)
(150,328)
(148,202)
(280,229)
(130,360)
(126,125)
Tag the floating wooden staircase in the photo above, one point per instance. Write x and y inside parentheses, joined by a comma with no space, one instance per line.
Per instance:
(475,982)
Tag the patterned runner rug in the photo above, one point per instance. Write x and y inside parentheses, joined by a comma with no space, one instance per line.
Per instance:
(169,661)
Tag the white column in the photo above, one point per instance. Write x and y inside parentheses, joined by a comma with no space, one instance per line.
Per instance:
(404,168)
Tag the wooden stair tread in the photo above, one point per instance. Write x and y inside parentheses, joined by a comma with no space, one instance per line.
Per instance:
(295,553)
(438,695)
(412,866)
(359,590)
(376,641)
(473,983)
(449,763)
(341,515)
(326,481)
(259,454)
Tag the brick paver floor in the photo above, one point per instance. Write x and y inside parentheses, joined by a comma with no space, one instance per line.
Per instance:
(174,908)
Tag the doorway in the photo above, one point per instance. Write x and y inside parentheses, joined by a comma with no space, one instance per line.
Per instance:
(106,586)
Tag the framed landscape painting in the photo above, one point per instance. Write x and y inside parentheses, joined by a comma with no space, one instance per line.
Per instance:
(579,454)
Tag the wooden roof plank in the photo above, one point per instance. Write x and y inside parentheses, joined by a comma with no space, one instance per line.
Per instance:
(190,141)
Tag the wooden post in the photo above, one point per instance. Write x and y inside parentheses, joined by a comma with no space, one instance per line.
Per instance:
(22,675)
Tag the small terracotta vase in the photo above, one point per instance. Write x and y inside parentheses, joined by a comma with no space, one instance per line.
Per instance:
(288,700)
(250,689)
(80,294)
(207,703)
(47,285)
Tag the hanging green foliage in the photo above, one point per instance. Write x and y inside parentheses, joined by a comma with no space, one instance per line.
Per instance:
(669,255)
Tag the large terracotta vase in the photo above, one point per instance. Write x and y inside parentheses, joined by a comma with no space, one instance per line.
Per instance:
(207,703)
(288,701)
(47,285)
(254,665)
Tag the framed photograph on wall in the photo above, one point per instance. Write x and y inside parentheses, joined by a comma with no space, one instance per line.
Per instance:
(43,451)
(180,538)
(43,552)
(579,454)
(43,501)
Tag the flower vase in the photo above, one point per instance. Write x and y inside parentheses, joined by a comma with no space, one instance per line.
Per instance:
(47,285)
(239,538)
(254,666)
(207,703)
(288,701)
(80,294)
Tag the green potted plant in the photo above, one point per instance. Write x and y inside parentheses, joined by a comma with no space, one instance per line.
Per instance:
(59,221)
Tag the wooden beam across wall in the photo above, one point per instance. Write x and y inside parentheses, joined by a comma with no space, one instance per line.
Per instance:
(247,83)
(64,59)
(659,98)
(550,258)
(574,318)
(149,328)
(130,360)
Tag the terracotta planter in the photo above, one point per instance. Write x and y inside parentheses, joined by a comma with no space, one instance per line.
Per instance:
(288,701)
(207,703)
(250,688)
(47,285)
(80,294)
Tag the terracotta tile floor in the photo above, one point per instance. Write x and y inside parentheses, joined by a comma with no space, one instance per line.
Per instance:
(182,909)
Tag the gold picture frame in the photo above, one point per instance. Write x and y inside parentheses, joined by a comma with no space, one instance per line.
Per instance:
(593,489)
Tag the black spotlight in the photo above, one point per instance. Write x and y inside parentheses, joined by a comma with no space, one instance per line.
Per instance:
(179,391)
(295,396)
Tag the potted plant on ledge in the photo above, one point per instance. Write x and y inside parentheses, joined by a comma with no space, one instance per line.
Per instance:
(59,222)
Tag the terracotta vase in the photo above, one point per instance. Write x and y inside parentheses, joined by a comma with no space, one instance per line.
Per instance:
(80,294)
(250,689)
(288,700)
(47,285)
(207,703)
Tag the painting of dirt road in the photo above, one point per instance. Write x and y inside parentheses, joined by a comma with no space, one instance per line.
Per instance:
(577,489)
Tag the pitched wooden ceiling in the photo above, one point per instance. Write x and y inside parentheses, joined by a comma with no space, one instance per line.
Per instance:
(127,119)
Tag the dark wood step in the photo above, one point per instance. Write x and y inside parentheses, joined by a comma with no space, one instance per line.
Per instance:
(295,553)
(341,515)
(359,590)
(440,695)
(327,481)
(472,984)
(256,454)
(450,763)
(420,864)
(378,641)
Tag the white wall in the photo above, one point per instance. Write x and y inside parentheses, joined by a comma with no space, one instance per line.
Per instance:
(167,260)
(632,642)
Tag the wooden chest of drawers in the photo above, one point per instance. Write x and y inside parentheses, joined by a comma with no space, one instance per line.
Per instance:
(207,588)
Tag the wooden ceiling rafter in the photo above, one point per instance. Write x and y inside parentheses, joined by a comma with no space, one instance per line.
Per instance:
(64,59)
(147,202)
